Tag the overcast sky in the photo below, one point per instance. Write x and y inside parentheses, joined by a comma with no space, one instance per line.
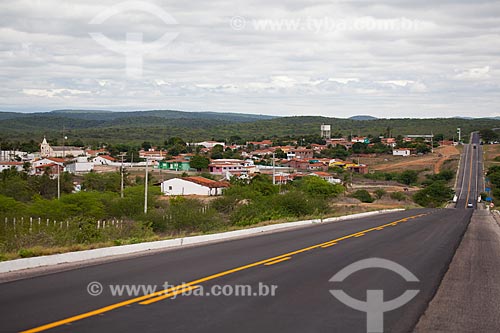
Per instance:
(388,58)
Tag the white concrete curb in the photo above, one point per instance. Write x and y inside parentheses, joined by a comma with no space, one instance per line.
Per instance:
(25,263)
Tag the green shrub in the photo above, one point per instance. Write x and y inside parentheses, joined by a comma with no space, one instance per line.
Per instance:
(399,196)
(26,253)
(379,193)
(316,186)
(363,196)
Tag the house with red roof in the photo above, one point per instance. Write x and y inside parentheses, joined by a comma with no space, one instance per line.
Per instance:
(193,186)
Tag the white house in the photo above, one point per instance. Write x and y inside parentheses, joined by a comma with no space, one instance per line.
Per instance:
(48,161)
(401,152)
(80,165)
(7,165)
(210,144)
(103,160)
(193,186)
(326,176)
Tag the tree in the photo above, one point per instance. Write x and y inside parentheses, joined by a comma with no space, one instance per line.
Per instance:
(488,135)
(408,177)
(146,145)
(217,152)
(199,162)
(434,195)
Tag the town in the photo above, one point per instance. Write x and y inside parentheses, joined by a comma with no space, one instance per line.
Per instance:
(180,164)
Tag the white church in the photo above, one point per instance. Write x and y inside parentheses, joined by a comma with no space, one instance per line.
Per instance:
(59,151)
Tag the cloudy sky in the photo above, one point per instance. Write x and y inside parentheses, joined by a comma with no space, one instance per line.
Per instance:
(338,58)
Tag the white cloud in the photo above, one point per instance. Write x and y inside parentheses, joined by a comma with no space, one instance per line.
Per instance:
(474,74)
(54,92)
(384,57)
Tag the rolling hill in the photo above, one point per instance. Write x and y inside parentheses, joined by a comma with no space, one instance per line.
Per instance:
(97,127)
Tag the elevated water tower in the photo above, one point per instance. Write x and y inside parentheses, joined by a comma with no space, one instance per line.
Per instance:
(326,132)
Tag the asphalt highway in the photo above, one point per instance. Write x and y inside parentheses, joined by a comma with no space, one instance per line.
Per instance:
(299,263)
(470,184)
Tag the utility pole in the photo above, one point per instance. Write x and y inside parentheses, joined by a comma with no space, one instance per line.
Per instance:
(432,143)
(274,171)
(146,189)
(58,167)
(121,174)
(459,131)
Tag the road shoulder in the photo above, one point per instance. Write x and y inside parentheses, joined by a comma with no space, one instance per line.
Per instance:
(468,299)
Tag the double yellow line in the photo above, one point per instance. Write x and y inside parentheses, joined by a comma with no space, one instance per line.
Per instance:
(470,174)
(170,292)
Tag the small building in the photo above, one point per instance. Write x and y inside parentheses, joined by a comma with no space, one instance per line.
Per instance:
(401,152)
(360,139)
(261,144)
(79,166)
(175,165)
(193,186)
(103,160)
(390,142)
(210,144)
(9,165)
(222,166)
(326,176)
(47,161)
(152,154)
(52,169)
(302,154)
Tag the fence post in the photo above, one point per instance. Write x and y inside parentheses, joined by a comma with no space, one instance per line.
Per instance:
(14,224)
(98,224)
(31,224)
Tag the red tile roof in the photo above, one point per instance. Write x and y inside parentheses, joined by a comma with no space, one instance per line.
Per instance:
(206,182)
(11,163)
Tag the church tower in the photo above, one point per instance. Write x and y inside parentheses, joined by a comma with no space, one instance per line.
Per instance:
(45,150)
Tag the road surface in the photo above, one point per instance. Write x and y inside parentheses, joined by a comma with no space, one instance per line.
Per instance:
(470,183)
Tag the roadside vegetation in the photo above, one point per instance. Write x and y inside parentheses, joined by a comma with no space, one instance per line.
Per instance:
(34,222)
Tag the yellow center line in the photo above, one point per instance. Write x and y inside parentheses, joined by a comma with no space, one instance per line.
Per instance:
(171,294)
(359,235)
(328,245)
(201,280)
(277,261)
(470,178)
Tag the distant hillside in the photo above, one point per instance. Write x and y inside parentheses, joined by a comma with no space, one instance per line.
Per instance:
(363,117)
(98,127)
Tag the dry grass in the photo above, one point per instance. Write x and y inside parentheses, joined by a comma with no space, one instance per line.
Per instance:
(490,152)
(432,162)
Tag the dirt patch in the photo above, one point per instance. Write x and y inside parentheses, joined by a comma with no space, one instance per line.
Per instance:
(432,162)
